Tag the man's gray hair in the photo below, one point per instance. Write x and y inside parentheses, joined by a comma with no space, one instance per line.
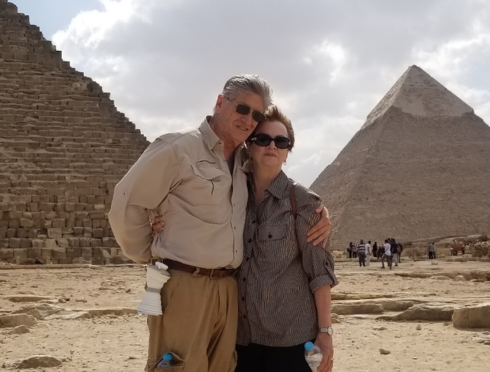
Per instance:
(248,83)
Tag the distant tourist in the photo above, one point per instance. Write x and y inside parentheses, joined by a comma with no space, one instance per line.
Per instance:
(432,251)
(361,253)
(350,249)
(400,250)
(394,250)
(387,255)
(354,250)
(368,252)
(375,250)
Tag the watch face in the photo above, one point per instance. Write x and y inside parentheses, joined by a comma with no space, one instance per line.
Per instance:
(328,330)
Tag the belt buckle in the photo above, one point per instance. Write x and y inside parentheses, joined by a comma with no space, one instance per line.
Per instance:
(211,275)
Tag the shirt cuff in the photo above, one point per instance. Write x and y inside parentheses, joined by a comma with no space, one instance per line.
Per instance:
(320,281)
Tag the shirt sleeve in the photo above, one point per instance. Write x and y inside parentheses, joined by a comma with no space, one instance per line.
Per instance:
(318,262)
(143,188)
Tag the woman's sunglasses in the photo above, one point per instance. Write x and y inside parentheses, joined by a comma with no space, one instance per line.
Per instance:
(264,140)
(243,109)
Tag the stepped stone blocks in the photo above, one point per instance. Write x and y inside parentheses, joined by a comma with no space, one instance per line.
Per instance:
(418,168)
(63,148)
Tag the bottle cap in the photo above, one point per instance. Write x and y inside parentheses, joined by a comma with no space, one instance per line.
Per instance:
(309,346)
(168,356)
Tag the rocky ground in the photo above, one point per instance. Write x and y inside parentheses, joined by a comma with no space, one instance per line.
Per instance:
(83,319)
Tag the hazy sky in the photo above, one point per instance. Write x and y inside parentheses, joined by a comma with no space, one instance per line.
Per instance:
(329,62)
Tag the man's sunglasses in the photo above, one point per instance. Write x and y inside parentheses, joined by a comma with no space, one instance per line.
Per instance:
(243,109)
(264,140)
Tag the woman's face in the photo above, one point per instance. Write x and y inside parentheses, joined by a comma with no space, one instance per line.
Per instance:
(269,156)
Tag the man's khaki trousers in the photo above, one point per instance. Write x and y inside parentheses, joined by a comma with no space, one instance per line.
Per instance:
(198,325)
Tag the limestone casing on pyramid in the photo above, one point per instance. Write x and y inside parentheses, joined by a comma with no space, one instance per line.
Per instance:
(418,168)
(63,147)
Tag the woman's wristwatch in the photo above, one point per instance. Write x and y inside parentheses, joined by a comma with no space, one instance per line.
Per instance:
(328,330)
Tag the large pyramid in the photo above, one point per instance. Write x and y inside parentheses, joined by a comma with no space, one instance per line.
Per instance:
(63,147)
(418,168)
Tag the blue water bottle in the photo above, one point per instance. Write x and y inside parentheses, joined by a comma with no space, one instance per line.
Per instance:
(313,356)
(166,361)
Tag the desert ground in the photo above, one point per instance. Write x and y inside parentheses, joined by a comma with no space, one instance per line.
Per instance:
(85,317)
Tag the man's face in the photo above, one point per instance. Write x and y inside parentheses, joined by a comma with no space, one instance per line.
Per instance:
(234,128)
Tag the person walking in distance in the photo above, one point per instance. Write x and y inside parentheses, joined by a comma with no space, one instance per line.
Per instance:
(432,251)
(375,250)
(394,250)
(349,249)
(354,250)
(387,255)
(361,253)
(368,253)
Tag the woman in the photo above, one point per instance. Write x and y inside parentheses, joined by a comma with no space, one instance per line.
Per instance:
(284,282)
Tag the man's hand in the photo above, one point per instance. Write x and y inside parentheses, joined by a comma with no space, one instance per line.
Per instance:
(325,342)
(319,233)
(157,225)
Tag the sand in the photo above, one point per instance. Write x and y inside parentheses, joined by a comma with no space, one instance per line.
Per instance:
(118,341)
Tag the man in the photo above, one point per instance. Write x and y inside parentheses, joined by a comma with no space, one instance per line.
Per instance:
(196,182)
(394,250)
(387,255)
(361,252)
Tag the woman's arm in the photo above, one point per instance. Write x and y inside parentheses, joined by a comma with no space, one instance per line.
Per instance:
(323,340)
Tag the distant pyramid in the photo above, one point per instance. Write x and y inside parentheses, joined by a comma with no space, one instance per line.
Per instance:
(63,147)
(418,168)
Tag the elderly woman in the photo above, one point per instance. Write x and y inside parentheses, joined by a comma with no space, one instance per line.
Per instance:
(284,282)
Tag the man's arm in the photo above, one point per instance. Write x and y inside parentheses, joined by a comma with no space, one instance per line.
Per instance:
(143,188)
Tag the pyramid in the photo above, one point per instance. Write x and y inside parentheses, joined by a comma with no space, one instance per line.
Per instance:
(418,168)
(63,147)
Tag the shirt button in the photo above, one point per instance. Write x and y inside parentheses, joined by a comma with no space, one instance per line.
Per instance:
(247,259)
(270,236)
(243,298)
(253,221)
(250,240)
(244,279)
(244,317)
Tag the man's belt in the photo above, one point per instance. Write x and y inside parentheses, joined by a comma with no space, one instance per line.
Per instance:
(212,273)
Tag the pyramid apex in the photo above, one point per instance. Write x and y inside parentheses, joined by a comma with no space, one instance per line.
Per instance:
(419,94)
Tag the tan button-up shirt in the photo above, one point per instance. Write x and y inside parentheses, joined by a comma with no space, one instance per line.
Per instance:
(185,177)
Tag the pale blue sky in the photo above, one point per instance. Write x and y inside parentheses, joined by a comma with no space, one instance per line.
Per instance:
(54,15)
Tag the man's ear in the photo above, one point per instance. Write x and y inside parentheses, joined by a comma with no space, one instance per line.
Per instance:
(219,101)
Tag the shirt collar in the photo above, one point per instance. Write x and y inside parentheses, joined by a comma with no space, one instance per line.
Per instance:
(279,188)
(210,138)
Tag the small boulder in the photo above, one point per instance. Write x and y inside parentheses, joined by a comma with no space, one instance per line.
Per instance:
(472,317)
(460,278)
(384,352)
(357,308)
(37,361)
(433,313)
(28,298)
(19,330)
(14,320)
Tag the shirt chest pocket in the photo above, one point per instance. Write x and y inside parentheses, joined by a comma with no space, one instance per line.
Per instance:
(271,233)
(275,244)
(209,184)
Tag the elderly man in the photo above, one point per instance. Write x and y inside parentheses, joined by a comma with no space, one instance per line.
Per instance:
(196,182)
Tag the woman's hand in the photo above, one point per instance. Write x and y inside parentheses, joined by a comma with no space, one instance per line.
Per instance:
(157,225)
(325,342)
(319,233)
